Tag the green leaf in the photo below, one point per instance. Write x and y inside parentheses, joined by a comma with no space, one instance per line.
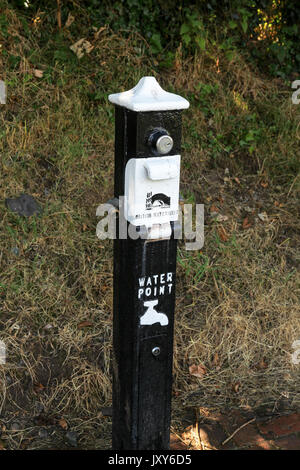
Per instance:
(244,24)
(229,55)
(249,137)
(232,24)
(156,43)
(186,39)
(185,28)
(201,42)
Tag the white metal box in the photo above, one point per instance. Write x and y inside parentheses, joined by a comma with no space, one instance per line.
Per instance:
(152,190)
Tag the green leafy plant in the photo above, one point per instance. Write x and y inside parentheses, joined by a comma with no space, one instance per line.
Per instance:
(193,33)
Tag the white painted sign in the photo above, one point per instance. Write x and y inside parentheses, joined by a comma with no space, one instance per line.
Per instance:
(155,285)
(152,190)
(151,316)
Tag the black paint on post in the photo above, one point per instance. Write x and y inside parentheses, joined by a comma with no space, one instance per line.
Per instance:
(142,381)
(144,281)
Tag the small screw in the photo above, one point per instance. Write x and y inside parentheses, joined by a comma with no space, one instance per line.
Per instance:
(156,351)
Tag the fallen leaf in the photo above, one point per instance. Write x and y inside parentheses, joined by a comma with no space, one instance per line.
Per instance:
(264,184)
(263,216)
(2,446)
(262,364)
(69,21)
(216,360)
(237,180)
(84,324)
(214,209)
(38,73)
(81,47)
(235,387)
(197,371)
(246,223)
(99,31)
(63,423)
(221,218)
(38,387)
(222,234)
(84,227)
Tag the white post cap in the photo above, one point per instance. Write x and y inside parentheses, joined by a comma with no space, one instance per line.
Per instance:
(148,95)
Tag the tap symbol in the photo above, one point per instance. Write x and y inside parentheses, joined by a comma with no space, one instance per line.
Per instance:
(151,316)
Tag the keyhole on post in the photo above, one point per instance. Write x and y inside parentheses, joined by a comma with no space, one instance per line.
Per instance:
(161,141)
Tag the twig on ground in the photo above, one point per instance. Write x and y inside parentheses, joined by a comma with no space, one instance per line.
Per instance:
(237,430)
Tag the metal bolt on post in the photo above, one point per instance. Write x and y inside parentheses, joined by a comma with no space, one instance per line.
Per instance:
(147,172)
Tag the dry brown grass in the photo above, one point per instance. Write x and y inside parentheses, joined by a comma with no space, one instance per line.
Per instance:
(240,324)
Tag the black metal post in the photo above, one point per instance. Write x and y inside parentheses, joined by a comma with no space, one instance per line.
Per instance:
(148,125)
